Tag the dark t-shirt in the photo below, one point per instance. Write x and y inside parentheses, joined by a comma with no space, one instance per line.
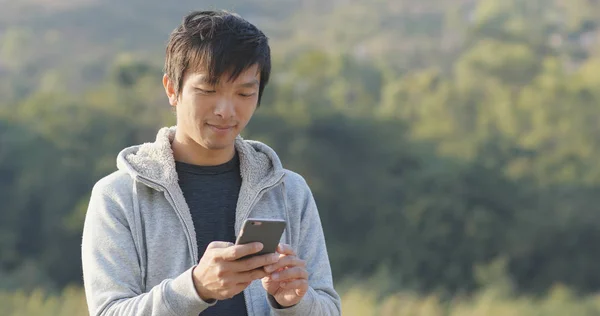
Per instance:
(211,193)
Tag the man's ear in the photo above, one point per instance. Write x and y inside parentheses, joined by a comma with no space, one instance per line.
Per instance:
(169,86)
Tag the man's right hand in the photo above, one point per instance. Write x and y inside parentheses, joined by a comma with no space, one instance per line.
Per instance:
(220,275)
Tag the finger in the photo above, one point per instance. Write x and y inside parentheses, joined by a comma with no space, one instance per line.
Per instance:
(252,263)
(219,244)
(287,261)
(250,276)
(267,279)
(244,284)
(302,290)
(238,251)
(298,284)
(285,249)
(291,273)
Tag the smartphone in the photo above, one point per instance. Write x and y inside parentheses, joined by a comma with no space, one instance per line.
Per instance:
(266,231)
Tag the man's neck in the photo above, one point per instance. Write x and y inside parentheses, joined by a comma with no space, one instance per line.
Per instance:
(188,151)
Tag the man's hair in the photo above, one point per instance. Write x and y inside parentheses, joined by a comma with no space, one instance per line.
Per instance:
(217,42)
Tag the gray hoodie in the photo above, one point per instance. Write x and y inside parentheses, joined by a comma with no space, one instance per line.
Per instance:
(139,244)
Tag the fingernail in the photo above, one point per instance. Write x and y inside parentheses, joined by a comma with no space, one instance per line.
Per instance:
(269,269)
(275,276)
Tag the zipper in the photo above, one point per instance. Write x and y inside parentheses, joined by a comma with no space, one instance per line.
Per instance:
(257,196)
(246,214)
(173,204)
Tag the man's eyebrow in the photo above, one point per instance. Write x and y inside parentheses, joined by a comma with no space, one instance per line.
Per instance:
(250,84)
(200,80)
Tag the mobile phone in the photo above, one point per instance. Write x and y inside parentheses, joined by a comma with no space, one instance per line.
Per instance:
(266,231)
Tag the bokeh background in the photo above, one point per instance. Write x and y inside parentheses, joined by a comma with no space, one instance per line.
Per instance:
(453,146)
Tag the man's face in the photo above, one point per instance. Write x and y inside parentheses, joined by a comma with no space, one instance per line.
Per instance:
(213,116)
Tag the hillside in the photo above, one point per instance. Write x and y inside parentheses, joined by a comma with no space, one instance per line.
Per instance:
(74,41)
(450,135)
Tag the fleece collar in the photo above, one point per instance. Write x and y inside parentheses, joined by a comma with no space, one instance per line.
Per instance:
(154,161)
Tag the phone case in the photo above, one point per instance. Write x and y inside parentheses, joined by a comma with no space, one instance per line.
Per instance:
(266,231)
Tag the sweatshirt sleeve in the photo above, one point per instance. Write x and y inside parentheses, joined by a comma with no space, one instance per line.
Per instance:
(321,298)
(111,270)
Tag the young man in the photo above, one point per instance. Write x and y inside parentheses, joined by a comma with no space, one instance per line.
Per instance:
(159,232)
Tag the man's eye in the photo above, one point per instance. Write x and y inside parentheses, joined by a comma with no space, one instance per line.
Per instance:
(206,91)
(247,95)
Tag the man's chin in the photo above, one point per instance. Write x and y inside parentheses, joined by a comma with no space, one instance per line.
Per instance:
(218,144)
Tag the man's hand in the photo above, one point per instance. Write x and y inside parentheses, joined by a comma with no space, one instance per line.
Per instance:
(219,276)
(288,282)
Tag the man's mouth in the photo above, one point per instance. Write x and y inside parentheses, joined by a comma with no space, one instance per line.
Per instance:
(221,127)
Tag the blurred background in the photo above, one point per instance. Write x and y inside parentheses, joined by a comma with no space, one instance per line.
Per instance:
(452,146)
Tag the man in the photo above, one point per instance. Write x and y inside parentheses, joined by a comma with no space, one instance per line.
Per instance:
(159,232)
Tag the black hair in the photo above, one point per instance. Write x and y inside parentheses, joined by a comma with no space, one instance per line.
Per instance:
(217,42)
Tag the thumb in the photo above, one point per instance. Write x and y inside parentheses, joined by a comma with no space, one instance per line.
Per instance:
(219,244)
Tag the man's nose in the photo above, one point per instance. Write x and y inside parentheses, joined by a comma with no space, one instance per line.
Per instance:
(225,108)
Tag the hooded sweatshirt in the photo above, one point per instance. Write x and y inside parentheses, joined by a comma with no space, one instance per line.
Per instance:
(139,244)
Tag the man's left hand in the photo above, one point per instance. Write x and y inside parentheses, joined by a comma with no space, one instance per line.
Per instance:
(287,281)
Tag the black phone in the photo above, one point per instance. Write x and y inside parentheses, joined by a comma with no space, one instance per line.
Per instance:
(266,231)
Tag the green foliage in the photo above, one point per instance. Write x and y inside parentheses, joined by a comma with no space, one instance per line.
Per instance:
(473,153)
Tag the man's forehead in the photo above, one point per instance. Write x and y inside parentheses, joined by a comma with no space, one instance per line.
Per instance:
(250,75)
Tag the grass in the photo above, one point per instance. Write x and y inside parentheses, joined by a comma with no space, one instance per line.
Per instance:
(71,302)
(355,301)
(489,302)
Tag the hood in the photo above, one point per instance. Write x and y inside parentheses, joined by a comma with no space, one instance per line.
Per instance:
(154,161)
